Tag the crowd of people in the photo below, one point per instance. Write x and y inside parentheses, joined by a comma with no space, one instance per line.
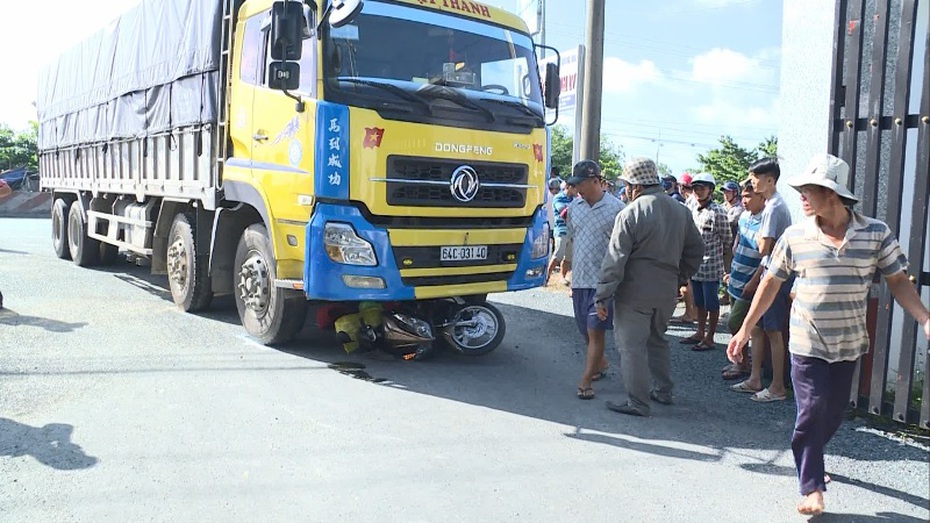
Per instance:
(634,249)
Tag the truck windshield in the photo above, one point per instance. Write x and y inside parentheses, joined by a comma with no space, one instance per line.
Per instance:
(463,72)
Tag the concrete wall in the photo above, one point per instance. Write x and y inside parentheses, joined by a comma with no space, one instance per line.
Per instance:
(806,65)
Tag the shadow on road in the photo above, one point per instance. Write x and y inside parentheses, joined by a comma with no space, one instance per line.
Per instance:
(880,517)
(50,445)
(8,317)
(777,470)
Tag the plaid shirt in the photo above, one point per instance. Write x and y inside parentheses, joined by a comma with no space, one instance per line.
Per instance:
(715,230)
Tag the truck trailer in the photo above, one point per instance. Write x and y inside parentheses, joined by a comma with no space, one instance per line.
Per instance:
(389,152)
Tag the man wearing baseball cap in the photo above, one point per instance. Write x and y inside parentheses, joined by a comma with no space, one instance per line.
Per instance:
(834,255)
(654,248)
(590,222)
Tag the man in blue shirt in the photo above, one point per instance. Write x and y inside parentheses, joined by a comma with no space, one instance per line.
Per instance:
(562,253)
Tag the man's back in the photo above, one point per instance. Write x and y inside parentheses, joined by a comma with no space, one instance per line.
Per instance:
(656,241)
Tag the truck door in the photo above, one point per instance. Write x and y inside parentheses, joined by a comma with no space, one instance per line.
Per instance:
(282,138)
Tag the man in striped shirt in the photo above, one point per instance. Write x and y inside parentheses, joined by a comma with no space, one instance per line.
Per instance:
(834,255)
(746,257)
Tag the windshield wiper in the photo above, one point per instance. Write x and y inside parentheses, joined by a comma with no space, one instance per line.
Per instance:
(517,105)
(446,93)
(391,88)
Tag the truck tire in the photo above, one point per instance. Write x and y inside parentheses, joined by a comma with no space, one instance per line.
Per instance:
(474,329)
(60,229)
(188,270)
(270,314)
(85,251)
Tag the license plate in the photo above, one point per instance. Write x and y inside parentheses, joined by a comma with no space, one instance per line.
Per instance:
(464,253)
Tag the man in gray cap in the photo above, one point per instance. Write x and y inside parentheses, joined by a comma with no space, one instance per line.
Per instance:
(654,249)
(835,253)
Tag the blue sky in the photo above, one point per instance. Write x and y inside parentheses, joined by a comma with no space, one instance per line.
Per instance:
(679,74)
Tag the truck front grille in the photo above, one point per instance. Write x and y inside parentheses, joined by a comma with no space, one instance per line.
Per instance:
(426,182)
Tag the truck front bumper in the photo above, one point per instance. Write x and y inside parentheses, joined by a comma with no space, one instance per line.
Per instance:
(328,280)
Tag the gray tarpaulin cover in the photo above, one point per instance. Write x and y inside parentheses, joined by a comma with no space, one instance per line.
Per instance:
(151,70)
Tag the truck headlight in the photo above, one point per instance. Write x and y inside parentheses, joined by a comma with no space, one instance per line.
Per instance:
(541,244)
(344,246)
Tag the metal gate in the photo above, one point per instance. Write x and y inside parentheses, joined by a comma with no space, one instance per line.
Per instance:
(880,124)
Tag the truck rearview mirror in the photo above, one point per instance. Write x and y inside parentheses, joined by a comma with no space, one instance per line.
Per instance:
(287,30)
(553,86)
(344,11)
(284,76)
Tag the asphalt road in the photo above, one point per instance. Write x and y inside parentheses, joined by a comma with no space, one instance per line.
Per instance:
(114,406)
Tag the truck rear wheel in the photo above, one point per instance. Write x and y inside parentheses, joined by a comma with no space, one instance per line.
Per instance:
(188,270)
(60,229)
(271,314)
(85,251)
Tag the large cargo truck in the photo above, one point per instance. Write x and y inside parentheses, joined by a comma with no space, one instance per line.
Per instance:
(392,152)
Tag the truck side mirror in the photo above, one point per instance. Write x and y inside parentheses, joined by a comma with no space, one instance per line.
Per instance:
(284,76)
(343,12)
(553,86)
(287,30)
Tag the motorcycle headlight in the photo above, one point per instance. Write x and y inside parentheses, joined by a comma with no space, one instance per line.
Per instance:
(344,246)
(541,244)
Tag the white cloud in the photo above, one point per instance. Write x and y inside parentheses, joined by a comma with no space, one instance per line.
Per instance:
(621,76)
(724,67)
(738,115)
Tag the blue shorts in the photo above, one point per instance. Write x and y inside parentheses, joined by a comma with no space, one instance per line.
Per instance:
(776,317)
(586,313)
(705,294)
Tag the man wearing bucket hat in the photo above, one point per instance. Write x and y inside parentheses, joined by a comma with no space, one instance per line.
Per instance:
(835,252)
(653,249)
(590,221)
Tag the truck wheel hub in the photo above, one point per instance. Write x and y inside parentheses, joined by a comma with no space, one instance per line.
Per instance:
(177,262)
(254,287)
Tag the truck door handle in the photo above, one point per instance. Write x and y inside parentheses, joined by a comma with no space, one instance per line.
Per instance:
(260,136)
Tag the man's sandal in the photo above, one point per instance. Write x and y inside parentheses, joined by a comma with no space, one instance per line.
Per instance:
(585,393)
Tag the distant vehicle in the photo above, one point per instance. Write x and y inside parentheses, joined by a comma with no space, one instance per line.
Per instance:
(19,179)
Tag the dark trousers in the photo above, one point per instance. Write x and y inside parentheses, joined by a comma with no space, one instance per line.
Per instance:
(821,390)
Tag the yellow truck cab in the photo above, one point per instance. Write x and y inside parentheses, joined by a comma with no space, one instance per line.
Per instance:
(391,151)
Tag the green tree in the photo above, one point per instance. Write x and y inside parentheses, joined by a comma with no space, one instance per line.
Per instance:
(768,148)
(611,160)
(728,162)
(19,149)
(664,169)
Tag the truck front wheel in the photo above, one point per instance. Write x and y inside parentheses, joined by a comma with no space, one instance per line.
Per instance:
(273,315)
(188,270)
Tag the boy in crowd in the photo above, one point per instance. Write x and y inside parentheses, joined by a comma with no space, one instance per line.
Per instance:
(562,252)
(746,259)
(775,219)
(711,222)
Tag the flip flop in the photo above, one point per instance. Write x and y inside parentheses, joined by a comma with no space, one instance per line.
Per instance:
(764,396)
(690,341)
(600,375)
(585,393)
(742,387)
(701,347)
(733,373)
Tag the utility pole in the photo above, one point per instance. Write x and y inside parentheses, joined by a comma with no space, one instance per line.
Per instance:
(594,75)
